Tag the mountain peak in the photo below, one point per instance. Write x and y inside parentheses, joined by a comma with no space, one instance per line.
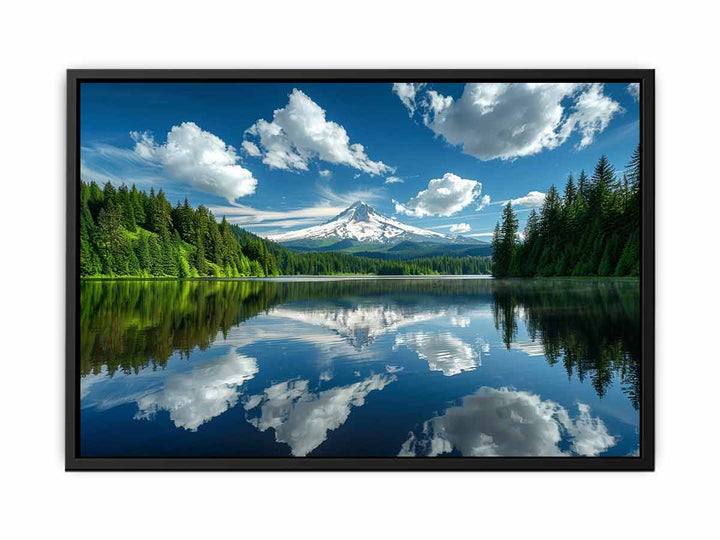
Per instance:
(357,211)
(359,222)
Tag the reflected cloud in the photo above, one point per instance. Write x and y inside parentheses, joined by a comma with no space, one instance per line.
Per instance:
(443,352)
(301,418)
(462,322)
(506,422)
(199,395)
(362,324)
(529,347)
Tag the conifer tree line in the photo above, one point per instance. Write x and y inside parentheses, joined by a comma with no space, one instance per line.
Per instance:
(592,229)
(127,232)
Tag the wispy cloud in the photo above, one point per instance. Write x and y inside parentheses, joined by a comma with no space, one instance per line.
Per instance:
(330,197)
(247,215)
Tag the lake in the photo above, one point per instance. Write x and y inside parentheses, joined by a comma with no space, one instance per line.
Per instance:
(360,367)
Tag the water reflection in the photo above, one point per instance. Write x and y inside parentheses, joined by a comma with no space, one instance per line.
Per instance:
(505,422)
(360,325)
(199,395)
(301,418)
(442,351)
(474,367)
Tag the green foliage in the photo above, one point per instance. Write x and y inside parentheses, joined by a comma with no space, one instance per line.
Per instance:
(130,233)
(593,229)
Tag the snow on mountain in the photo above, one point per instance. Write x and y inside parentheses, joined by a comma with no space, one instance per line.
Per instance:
(362,223)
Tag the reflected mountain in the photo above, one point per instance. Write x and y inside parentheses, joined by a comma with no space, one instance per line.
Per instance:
(362,324)
(590,327)
(506,422)
(301,418)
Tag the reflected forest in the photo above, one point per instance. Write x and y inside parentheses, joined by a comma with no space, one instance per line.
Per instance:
(591,328)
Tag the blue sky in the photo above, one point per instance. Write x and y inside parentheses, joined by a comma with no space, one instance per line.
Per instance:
(275,157)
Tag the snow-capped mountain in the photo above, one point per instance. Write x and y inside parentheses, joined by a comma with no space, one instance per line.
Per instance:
(361,223)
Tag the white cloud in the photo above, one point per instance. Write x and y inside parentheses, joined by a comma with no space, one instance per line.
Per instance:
(534,199)
(301,418)
(198,396)
(199,158)
(484,202)
(251,148)
(326,193)
(634,90)
(443,197)
(443,352)
(393,180)
(460,228)
(506,422)
(593,112)
(325,173)
(299,132)
(247,215)
(510,120)
(407,92)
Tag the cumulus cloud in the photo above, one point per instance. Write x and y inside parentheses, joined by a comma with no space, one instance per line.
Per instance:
(251,148)
(301,418)
(443,197)
(506,422)
(634,90)
(325,173)
(198,396)
(510,120)
(299,132)
(593,112)
(534,199)
(460,228)
(199,158)
(442,351)
(393,180)
(484,202)
(407,92)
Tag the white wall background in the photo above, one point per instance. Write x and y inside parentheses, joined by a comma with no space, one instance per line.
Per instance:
(39,41)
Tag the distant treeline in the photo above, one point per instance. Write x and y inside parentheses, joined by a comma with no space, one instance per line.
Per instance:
(127,232)
(592,229)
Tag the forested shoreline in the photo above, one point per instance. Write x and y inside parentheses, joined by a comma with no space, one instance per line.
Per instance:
(126,232)
(593,229)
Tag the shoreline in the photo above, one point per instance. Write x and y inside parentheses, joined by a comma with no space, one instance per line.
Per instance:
(361,277)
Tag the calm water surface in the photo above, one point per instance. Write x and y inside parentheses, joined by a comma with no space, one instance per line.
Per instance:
(371,367)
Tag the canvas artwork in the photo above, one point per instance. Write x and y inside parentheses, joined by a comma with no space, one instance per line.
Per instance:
(429,271)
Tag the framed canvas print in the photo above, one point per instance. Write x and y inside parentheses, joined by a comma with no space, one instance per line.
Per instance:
(384,269)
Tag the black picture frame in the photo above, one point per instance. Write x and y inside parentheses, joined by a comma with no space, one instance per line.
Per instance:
(644,462)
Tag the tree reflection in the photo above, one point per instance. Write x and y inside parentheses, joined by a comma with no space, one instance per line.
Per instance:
(592,327)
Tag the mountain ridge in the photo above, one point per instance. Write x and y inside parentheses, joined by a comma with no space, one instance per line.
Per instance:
(362,225)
